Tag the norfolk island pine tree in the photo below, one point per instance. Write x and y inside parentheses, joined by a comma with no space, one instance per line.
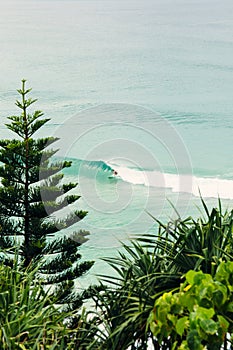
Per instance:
(31,192)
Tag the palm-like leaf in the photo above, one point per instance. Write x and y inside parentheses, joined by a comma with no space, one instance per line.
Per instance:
(154,264)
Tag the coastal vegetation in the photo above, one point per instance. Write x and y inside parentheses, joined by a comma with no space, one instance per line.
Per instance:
(31,193)
(154,266)
(199,315)
(171,289)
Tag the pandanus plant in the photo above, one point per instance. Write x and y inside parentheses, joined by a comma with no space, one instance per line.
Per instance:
(154,264)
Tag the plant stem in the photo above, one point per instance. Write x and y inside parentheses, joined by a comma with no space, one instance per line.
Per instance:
(26,187)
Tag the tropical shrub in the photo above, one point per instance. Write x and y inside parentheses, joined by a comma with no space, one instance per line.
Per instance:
(28,319)
(124,303)
(154,264)
(195,244)
(200,315)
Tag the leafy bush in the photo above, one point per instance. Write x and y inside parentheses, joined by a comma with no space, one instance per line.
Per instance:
(187,244)
(154,264)
(28,320)
(200,315)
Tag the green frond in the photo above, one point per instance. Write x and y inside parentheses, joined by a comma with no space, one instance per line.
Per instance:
(31,194)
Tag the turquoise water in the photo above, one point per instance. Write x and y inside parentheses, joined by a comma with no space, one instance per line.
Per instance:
(143,86)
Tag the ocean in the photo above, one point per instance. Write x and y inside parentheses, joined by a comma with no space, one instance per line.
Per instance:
(141,87)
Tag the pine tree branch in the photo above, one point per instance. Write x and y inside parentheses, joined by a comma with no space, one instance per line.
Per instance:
(30,195)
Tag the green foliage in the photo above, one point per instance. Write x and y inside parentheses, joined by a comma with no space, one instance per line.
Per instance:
(195,244)
(200,315)
(124,303)
(28,319)
(31,193)
(154,264)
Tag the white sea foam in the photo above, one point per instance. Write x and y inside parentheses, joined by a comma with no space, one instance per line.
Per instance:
(208,187)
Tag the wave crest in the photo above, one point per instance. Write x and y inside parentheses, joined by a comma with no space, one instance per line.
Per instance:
(209,187)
